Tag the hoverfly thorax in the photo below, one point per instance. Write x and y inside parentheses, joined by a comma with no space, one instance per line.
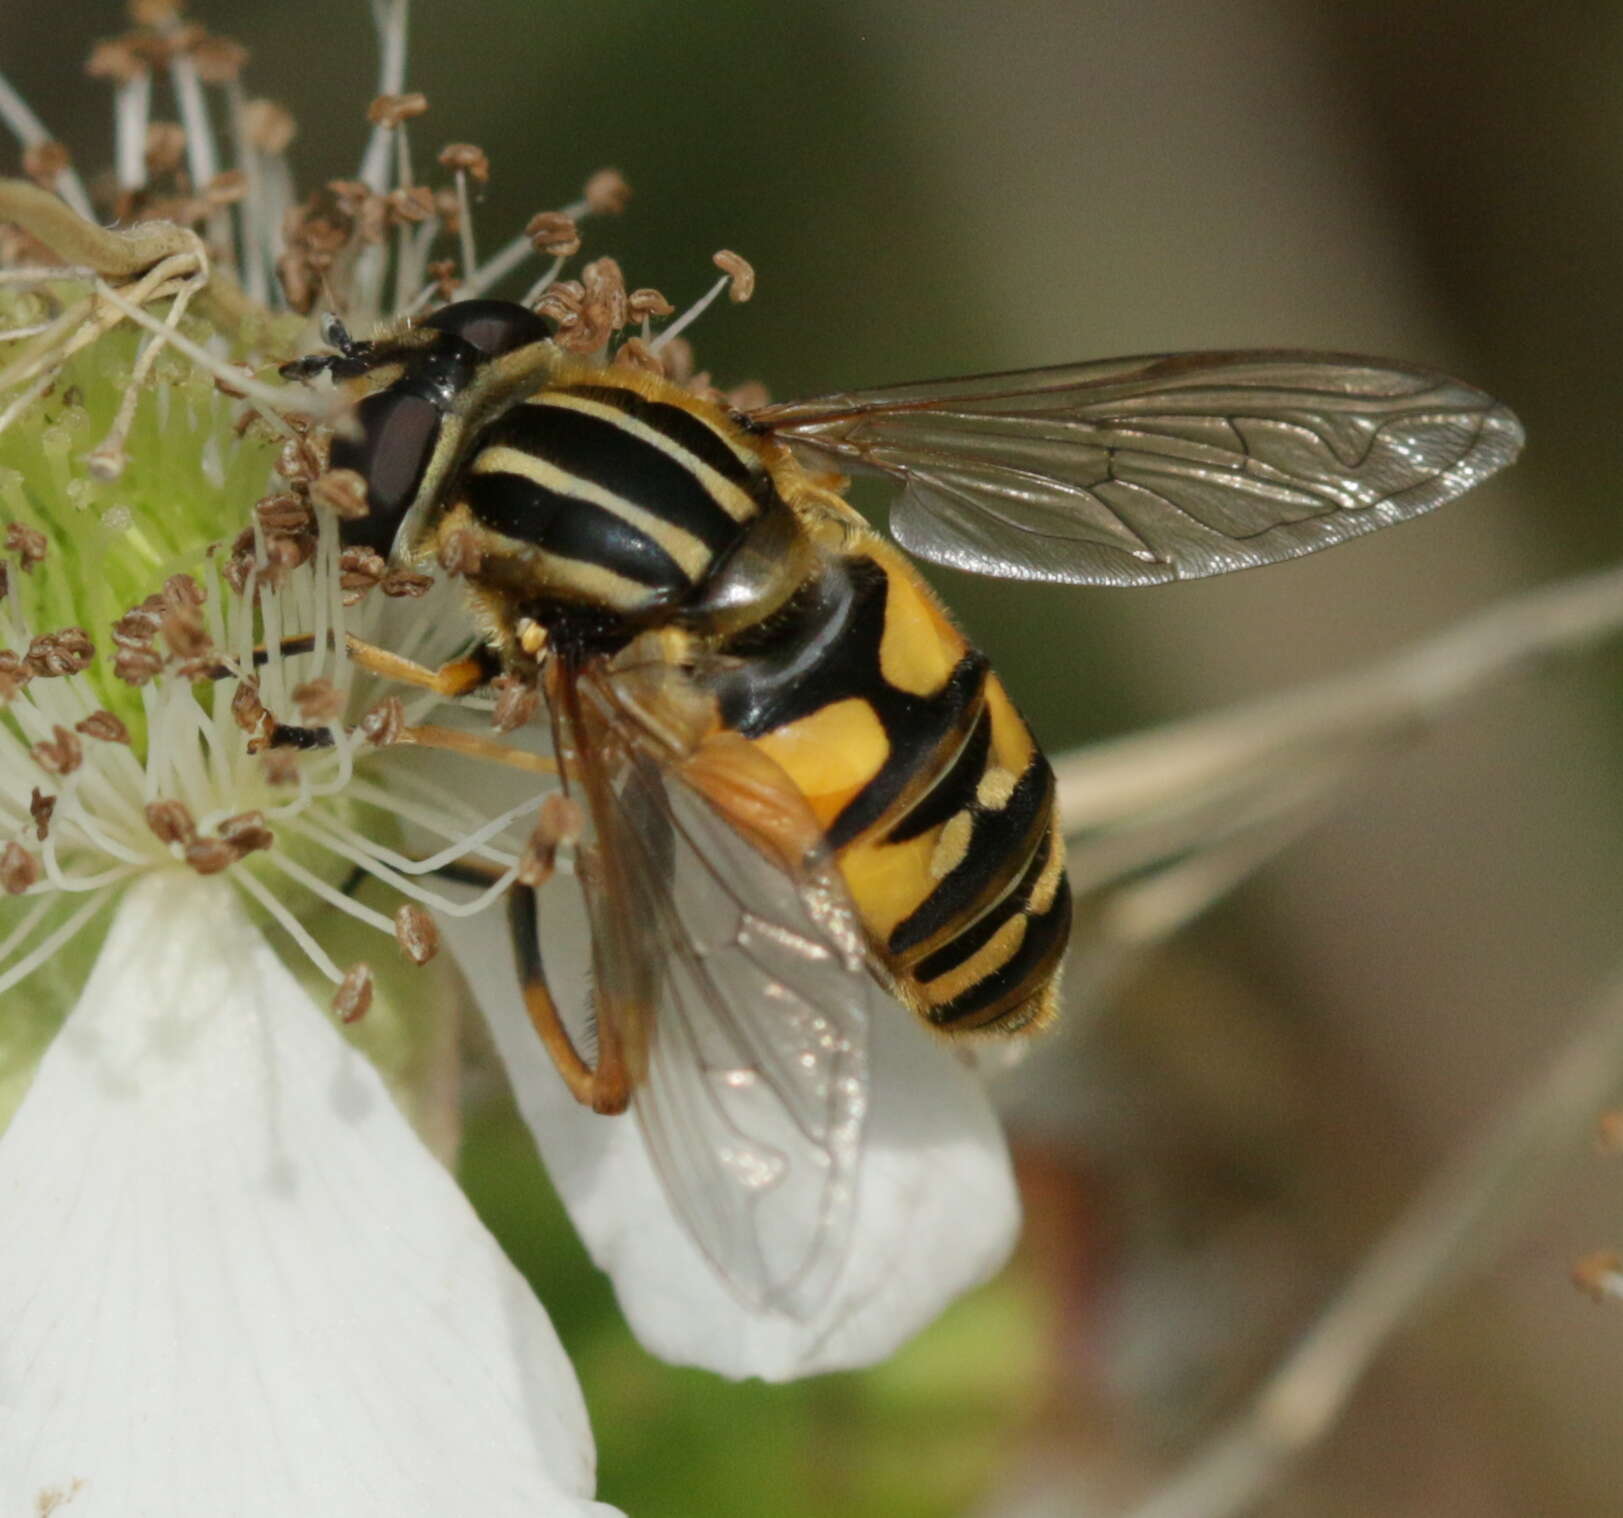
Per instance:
(598,501)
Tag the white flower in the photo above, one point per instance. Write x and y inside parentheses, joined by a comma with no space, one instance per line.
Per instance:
(235,1281)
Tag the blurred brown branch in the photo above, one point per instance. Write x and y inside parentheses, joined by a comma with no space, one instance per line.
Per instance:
(1470,1207)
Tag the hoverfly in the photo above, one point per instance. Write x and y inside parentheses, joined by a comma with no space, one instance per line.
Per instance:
(805,796)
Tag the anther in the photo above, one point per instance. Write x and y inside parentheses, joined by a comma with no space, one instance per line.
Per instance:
(171,821)
(646,303)
(558,822)
(410,204)
(341,491)
(392,110)
(61,754)
(52,655)
(740,272)
(18,869)
(416,933)
(354,994)
(465,158)
(44,161)
(137,627)
(281,766)
(385,722)
(564,301)
(318,700)
(516,703)
(606,192)
(459,553)
(116,58)
(103,726)
(28,543)
(359,569)
(606,301)
(246,833)
(219,59)
(183,590)
(301,459)
(677,356)
(284,514)
(165,148)
(40,807)
(553,232)
(406,583)
(270,127)
(634,353)
(750,396)
(137,666)
(284,553)
(14,674)
(249,713)
(185,633)
(237,392)
(209,856)
(226,188)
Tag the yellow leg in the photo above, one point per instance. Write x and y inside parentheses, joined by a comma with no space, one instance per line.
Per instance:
(477,746)
(604,1087)
(457,678)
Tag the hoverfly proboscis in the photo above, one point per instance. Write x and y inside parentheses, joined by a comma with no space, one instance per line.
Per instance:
(805,796)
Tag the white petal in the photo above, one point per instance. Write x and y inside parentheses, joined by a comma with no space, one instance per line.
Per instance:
(234,1283)
(937,1209)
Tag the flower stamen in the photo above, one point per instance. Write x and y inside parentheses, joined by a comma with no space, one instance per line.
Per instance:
(738,278)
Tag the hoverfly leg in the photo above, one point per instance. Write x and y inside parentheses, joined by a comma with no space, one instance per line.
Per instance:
(300,643)
(476,746)
(459,677)
(604,1087)
(456,678)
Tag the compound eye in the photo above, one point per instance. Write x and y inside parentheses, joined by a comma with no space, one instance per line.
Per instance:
(493,327)
(397,436)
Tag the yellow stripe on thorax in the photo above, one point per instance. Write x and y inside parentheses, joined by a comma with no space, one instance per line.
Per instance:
(576,580)
(688,552)
(727,494)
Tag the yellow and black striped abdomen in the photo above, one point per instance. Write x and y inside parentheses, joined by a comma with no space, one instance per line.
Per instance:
(936,800)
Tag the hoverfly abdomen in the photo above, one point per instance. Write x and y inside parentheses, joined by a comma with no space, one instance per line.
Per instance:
(936,801)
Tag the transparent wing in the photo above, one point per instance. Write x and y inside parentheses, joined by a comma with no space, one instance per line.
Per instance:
(1142,470)
(751,1075)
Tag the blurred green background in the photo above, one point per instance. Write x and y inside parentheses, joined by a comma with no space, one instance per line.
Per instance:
(936,188)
